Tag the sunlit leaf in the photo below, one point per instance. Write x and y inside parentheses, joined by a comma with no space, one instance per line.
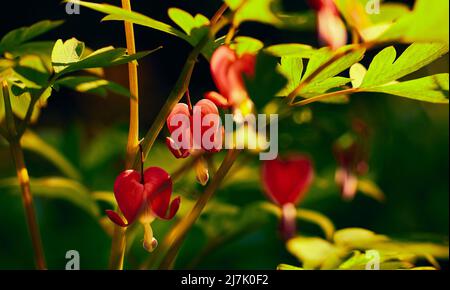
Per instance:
(291,68)
(245,44)
(357,74)
(93,85)
(13,40)
(291,50)
(117,13)
(357,238)
(288,267)
(369,188)
(255,10)
(385,68)
(32,142)
(58,188)
(319,219)
(67,57)
(314,252)
(418,26)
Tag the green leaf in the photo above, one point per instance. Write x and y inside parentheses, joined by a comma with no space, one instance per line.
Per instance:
(255,10)
(418,26)
(325,78)
(191,25)
(307,215)
(291,50)
(395,22)
(32,142)
(68,57)
(357,74)
(40,48)
(196,29)
(19,36)
(386,262)
(21,102)
(66,53)
(291,68)
(93,85)
(433,89)
(357,238)
(384,68)
(341,64)
(314,252)
(58,188)
(120,14)
(371,189)
(288,267)
(245,44)
(319,219)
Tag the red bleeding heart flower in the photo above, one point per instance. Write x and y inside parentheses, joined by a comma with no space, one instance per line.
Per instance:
(351,153)
(197,129)
(144,197)
(285,182)
(228,71)
(331,28)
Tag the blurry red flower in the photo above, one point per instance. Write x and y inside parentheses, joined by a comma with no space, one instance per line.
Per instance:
(144,197)
(285,182)
(351,153)
(331,28)
(197,130)
(228,69)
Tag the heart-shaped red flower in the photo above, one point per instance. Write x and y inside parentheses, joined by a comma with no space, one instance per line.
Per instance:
(199,129)
(144,197)
(287,180)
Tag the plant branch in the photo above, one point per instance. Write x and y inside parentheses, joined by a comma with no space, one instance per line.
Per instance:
(118,246)
(133,133)
(324,97)
(176,236)
(24,181)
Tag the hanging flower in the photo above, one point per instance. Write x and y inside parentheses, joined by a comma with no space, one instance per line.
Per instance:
(228,71)
(331,28)
(194,129)
(285,182)
(351,153)
(144,197)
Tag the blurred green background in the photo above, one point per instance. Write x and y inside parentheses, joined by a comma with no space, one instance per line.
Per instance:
(408,159)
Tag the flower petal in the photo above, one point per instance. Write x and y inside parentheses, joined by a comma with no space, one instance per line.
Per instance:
(332,31)
(286,181)
(178,153)
(235,77)
(221,60)
(116,218)
(129,193)
(158,190)
(217,99)
(173,208)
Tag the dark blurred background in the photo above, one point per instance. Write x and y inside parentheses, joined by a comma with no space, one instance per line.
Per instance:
(409,152)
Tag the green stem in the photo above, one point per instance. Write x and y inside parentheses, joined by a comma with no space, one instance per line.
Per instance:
(324,97)
(175,238)
(178,91)
(118,246)
(24,181)
(34,99)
